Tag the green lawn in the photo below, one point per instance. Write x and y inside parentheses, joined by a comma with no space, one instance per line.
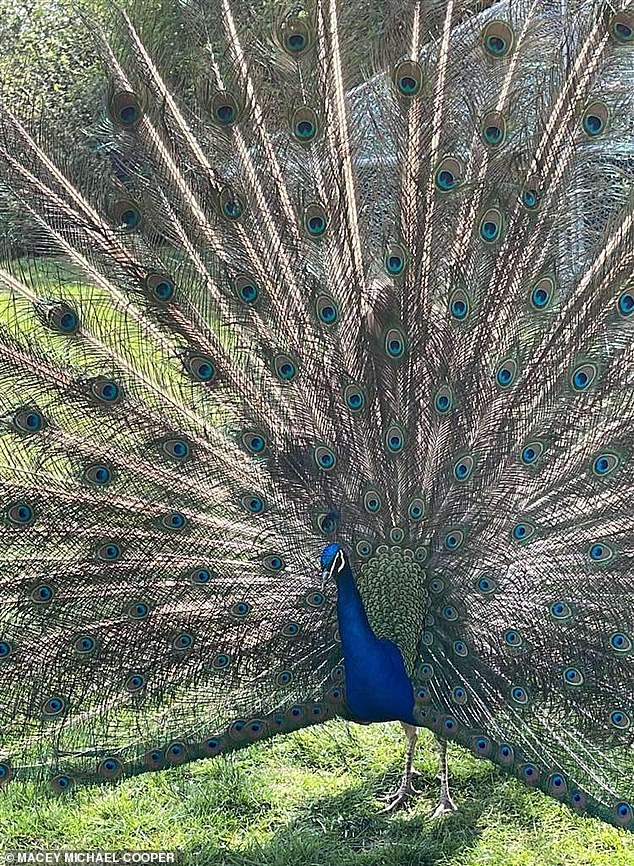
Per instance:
(311,799)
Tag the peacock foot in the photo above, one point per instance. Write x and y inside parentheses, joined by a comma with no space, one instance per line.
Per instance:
(400,798)
(445,807)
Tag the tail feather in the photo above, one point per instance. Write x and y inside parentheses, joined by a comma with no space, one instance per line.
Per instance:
(303,303)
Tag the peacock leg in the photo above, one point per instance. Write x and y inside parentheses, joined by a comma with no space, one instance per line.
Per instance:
(406,790)
(446,804)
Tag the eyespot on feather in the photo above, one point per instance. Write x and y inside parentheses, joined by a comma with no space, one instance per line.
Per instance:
(225,109)
(304,125)
(491,223)
(621,26)
(231,205)
(493,129)
(498,39)
(315,220)
(124,108)
(126,215)
(159,287)
(295,35)
(595,119)
(408,79)
(449,174)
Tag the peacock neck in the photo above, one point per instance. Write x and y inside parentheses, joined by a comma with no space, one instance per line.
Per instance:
(378,688)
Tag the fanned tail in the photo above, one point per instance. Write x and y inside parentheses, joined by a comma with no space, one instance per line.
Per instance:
(288,301)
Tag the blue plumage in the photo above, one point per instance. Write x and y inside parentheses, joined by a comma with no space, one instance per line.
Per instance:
(378,688)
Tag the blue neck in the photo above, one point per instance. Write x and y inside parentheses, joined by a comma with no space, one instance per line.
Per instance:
(378,688)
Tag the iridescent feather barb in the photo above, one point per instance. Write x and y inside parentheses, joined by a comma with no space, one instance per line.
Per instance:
(311,292)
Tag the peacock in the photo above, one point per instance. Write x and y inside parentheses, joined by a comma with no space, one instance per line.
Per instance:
(317,391)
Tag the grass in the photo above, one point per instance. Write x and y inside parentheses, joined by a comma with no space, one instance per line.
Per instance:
(312,799)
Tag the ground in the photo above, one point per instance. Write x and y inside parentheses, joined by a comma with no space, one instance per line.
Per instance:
(312,799)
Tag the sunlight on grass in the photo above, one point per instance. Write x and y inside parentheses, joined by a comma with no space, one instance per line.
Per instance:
(311,799)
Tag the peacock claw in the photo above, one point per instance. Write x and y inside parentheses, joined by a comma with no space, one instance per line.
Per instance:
(400,799)
(445,807)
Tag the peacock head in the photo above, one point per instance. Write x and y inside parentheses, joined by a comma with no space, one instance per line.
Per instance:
(334,561)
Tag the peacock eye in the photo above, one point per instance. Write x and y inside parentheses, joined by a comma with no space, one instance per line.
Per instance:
(295,36)
(448,175)
(443,400)
(486,584)
(224,109)
(324,458)
(354,398)
(395,260)
(327,311)
(583,377)
(519,695)
(231,204)
(200,367)
(327,523)
(304,125)
(183,641)
(595,119)
(109,552)
(372,501)
(315,221)
(493,129)
(58,316)
(622,26)
(506,373)
(542,293)
(5,651)
(285,368)
(28,420)
(254,442)
(138,610)
(453,539)
(291,629)
(110,768)
(85,645)
(42,594)
(246,289)
(394,439)
(20,514)
(174,520)
(200,576)
(104,390)
(98,474)
(273,562)
(408,78)
(604,464)
(54,706)
(498,39)
(135,683)
(463,468)
(459,305)
(522,531)
(573,676)
(253,503)
(416,509)
(363,548)
(124,108)
(491,226)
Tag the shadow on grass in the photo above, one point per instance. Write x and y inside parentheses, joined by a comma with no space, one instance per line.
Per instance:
(345,829)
